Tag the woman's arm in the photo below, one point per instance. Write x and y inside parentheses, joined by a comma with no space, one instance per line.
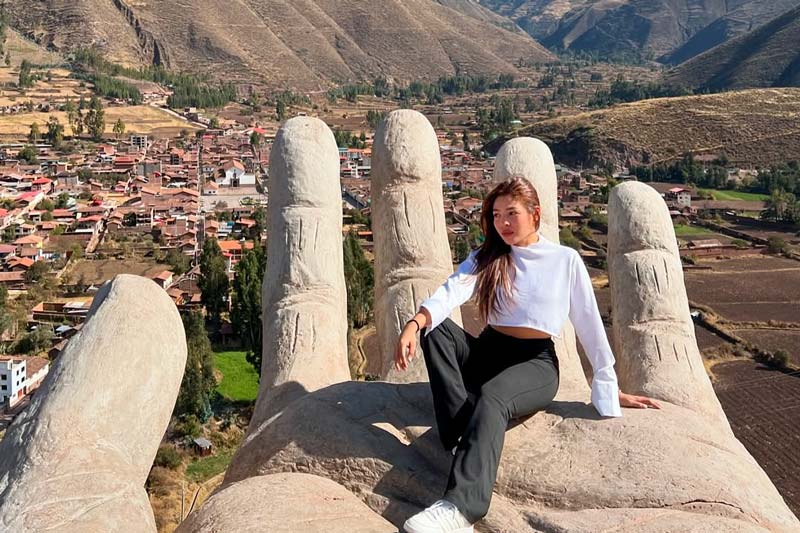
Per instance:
(453,292)
(456,290)
(588,325)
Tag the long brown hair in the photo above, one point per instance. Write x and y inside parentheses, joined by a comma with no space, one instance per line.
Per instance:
(493,258)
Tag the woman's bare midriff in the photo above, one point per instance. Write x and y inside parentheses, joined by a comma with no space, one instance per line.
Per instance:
(521,333)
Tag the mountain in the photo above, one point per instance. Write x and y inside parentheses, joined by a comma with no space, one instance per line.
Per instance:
(302,44)
(737,22)
(768,56)
(666,30)
(752,127)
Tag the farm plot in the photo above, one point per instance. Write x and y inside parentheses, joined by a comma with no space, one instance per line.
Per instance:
(756,289)
(773,340)
(763,407)
(99,271)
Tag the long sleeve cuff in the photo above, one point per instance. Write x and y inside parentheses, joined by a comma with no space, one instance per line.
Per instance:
(605,397)
(437,315)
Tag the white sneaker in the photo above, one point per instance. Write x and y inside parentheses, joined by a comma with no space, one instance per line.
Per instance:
(440,517)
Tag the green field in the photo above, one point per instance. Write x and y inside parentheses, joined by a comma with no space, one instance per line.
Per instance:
(684,230)
(208,467)
(735,195)
(239,379)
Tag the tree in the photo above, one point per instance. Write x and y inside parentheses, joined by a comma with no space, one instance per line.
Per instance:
(8,59)
(94,120)
(178,262)
(194,397)
(62,201)
(213,280)
(25,76)
(119,128)
(36,341)
(460,249)
(55,132)
(255,139)
(72,113)
(280,110)
(260,217)
(36,272)
(465,139)
(28,154)
(246,312)
(213,123)
(359,279)
(35,133)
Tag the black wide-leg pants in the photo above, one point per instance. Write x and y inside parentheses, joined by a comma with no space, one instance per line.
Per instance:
(479,384)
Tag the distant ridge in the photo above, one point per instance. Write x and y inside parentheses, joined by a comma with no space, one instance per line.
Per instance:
(301,44)
(669,31)
(766,57)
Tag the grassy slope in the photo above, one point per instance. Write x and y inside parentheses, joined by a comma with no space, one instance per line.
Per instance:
(239,379)
(736,195)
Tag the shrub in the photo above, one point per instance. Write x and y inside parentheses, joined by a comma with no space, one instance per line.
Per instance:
(740,243)
(189,427)
(776,245)
(168,457)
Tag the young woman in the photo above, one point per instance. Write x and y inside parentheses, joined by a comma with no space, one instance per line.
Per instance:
(526,287)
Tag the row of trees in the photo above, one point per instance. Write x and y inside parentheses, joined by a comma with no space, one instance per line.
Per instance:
(111,87)
(631,91)
(687,170)
(783,207)
(433,91)
(92,122)
(189,90)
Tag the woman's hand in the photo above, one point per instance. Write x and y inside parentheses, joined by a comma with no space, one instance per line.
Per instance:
(639,402)
(406,346)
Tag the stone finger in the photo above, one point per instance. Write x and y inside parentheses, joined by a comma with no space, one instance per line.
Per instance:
(304,298)
(77,458)
(412,254)
(657,352)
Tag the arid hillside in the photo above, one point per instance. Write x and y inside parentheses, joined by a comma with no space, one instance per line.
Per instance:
(759,126)
(667,30)
(766,57)
(303,44)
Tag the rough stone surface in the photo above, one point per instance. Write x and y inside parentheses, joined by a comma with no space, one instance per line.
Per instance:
(286,503)
(563,469)
(412,254)
(78,456)
(304,300)
(656,345)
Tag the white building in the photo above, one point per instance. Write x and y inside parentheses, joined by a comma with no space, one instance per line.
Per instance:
(20,376)
(13,379)
(234,175)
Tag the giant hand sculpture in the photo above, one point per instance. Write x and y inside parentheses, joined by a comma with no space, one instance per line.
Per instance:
(325,454)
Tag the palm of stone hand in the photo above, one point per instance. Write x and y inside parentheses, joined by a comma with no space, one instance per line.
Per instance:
(325,453)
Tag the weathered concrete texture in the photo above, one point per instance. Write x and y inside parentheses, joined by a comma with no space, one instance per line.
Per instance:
(304,300)
(558,465)
(658,354)
(531,159)
(285,503)
(412,255)
(78,457)
(671,469)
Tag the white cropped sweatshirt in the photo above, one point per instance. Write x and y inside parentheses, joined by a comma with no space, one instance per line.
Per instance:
(550,284)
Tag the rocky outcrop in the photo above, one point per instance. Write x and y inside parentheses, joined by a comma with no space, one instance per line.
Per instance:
(78,456)
(412,253)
